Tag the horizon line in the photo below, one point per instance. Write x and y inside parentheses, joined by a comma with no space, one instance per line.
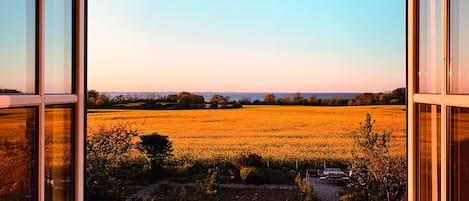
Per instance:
(146,91)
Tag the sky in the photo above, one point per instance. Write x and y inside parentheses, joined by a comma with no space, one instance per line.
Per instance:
(17,49)
(246,45)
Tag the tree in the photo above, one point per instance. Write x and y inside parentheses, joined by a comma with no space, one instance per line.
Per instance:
(313,100)
(365,99)
(92,97)
(270,99)
(376,175)
(298,99)
(285,100)
(102,100)
(219,99)
(112,162)
(93,94)
(189,100)
(158,148)
(398,96)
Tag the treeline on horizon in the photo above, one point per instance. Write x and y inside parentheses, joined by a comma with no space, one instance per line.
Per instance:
(187,100)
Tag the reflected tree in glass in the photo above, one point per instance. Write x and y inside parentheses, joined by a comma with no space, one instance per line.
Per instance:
(18,154)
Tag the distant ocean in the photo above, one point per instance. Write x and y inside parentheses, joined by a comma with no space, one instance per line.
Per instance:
(234,96)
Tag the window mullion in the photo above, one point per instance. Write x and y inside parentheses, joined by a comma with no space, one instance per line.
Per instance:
(41,111)
(444,114)
(80,90)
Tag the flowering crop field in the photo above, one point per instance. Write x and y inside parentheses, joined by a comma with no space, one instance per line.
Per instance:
(274,132)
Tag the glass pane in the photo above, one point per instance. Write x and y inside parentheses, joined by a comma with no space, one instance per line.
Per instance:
(18,154)
(459,47)
(430,48)
(459,132)
(58,46)
(17,47)
(59,153)
(428,151)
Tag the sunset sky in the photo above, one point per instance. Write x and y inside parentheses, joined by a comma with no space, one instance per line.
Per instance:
(246,45)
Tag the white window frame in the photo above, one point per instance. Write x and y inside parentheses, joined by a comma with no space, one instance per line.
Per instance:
(444,99)
(42,99)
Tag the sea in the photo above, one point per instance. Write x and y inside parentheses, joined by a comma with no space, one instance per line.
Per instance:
(234,96)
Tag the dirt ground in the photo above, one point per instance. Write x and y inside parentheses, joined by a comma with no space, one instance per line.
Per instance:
(228,192)
(325,191)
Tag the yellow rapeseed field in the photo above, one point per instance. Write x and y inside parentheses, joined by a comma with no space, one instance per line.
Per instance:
(276,132)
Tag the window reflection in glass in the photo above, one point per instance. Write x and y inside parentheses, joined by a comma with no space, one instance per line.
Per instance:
(58,46)
(18,154)
(428,140)
(430,48)
(459,132)
(17,47)
(59,153)
(459,47)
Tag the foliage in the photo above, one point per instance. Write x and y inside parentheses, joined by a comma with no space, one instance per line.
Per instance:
(219,99)
(305,188)
(270,99)
(110,157)
(299,99)
(208,187)
(188,100)
(95,99)
(158,148)
(252,175)
(249,160)
(376,175)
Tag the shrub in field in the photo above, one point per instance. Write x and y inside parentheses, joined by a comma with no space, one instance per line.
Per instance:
(158,148)
(252,175)
(244,160)
(112,162)
(376,175)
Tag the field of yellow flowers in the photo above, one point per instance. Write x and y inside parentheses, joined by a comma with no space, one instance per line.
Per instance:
(274,132)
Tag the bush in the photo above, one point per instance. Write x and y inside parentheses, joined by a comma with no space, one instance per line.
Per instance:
(158,148)
(252,175)
(249,160)
(110,158)
(305,188)
(377,176)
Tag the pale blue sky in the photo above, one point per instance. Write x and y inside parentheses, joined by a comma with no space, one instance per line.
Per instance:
(246,45)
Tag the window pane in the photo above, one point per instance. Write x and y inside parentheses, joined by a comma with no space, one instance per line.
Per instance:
(428,150)
(18,154)
(58,46)
(459,132)
(17,46)
(430,48)
(459,47)
(59,153)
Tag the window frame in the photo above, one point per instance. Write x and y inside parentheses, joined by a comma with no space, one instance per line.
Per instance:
(41,99)
(444,99)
